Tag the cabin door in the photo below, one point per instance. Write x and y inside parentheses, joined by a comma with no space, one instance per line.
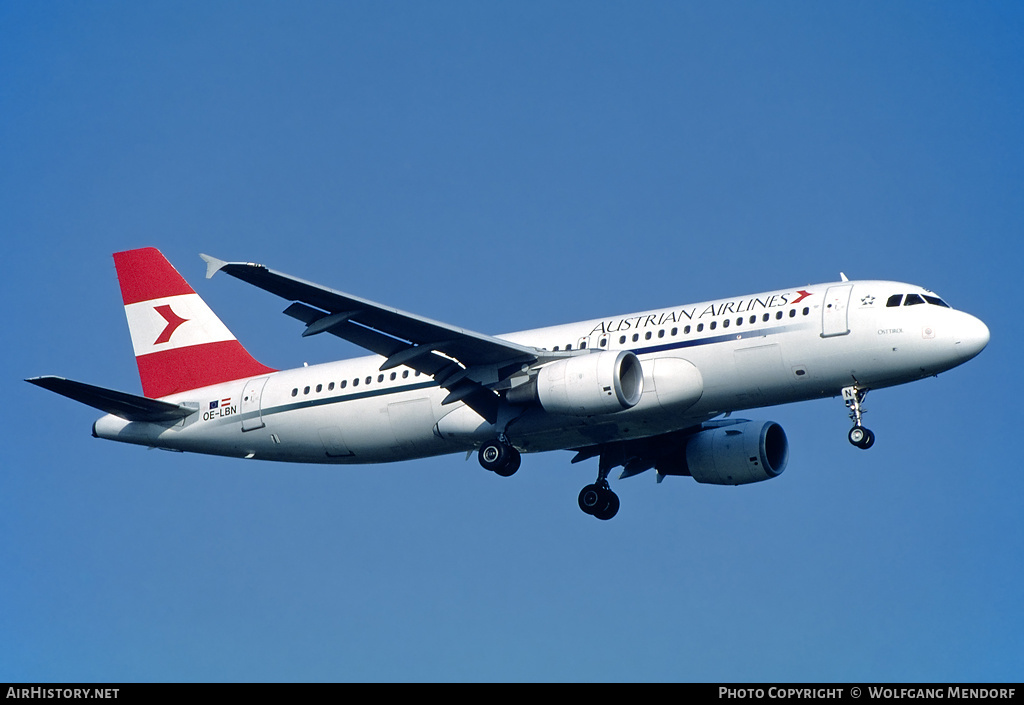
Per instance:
(834,320)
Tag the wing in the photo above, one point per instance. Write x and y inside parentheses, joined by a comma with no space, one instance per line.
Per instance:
(469,365)
(128,406)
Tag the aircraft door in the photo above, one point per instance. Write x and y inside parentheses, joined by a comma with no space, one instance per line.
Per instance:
(251,408)
(834,320)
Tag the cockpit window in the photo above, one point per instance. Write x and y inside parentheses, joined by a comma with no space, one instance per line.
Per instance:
(914,300)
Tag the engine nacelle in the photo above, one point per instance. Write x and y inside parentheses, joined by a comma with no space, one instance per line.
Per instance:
(588,385)
(738,454)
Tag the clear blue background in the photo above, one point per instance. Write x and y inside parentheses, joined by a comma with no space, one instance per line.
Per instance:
(503,166)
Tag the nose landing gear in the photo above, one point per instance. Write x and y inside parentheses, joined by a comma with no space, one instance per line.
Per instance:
(854,399)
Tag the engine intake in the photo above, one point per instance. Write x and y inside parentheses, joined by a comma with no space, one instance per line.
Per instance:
(585,385)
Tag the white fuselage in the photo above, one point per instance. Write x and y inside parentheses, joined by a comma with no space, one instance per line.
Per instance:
(699,361)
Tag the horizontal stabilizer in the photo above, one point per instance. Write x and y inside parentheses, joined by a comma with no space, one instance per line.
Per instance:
(127,406)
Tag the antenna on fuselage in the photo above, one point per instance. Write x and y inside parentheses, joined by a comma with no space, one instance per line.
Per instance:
(843,276)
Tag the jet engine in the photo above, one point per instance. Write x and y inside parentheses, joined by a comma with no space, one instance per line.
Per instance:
(585,385)
(734,453)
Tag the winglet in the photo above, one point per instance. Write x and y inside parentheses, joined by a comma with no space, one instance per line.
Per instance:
(213,265)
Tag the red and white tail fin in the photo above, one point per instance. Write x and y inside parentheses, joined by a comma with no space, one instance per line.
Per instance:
(179,342)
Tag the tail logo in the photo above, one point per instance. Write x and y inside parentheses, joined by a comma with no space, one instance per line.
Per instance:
(173,321)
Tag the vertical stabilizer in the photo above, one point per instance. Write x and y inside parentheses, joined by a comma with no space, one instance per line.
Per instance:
(179,342)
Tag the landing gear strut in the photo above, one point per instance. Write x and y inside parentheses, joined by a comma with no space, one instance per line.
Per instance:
(859,436)
(499,456)
(597,499)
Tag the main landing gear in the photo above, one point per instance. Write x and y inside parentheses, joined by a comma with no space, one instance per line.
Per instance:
(500,456)
(859,436)
(597,499)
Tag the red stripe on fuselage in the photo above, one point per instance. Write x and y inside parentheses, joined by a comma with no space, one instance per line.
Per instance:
(171,371)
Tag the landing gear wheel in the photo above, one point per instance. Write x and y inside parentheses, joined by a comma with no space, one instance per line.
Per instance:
(609,506)
(861,437)
(599,501)
(511,464)
(589,498)
(500,458)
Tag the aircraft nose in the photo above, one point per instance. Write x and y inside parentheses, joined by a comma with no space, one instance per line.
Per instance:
(972,337)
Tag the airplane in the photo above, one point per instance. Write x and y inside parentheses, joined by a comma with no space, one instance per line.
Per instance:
(642,391)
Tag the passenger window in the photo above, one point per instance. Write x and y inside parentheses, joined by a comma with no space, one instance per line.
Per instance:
(647,335)
(405,374)
(714,324)
(766,317)
(806,310)
(305,390)
(344,383)
(725,323)
(675,332)
(380,378)
(753,320)
(686,330)
(295,392)
(894,300)
(355,382)
(778,316)
(636,337)
(700,327)
(369,379)
(661,334)
(330,387)
(622,339)
(319,388)
(393,375)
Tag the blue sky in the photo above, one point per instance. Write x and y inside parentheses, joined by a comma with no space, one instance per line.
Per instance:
(503,166)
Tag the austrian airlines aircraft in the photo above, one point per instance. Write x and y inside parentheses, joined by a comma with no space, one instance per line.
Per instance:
(652,390)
